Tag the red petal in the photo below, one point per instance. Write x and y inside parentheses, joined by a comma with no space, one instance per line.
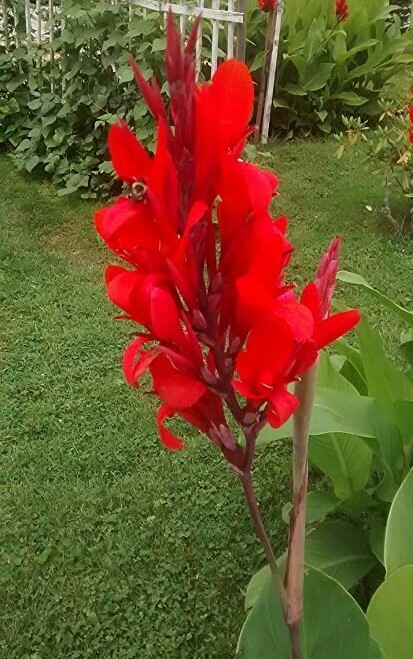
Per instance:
(129,158)
(165,317)
(168,439)
(282,405)
(334,327)
(298,317)
(268,353)
(233,92)
(129,356)
(127,225)
(181,391)
(310,298)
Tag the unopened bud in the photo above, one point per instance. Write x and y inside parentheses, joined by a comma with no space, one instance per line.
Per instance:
(249,418)
(206,339)
(214,436)
(226,437)
(198,321)
(228,364)
(214,301)
(208,377)
(216,283)
(235,346)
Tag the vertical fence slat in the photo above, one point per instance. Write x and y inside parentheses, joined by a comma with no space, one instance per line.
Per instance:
(6,24)
(182,22)
(39,21)
(62,29)
(198,52)
(241,31)
(271,74)
(28,32)
(215,35)
(230,33)
(51,39)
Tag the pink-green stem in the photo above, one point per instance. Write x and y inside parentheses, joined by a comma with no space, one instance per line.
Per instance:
(294,578)
(263,537)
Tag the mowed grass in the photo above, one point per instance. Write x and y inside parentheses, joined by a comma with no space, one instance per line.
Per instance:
(111,546)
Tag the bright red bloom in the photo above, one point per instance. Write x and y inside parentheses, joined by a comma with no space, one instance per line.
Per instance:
(341,10)
(219,325)
(267,5)
(411,124)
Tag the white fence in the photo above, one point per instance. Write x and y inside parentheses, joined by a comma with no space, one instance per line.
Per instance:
(227,15)
(42,23)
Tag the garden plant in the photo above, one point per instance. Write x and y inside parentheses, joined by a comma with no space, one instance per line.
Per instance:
(334,59)
(391,148)
(233,351)
(225,349)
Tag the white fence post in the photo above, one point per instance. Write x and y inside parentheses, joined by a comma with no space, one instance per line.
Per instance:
(271,75)
(230,33)
(215,15)
(215,37)
(6,25)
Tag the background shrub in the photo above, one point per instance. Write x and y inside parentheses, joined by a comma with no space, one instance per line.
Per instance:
(54,109)
(327,69)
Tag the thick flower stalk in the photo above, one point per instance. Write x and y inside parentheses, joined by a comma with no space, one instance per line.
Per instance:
(218,327)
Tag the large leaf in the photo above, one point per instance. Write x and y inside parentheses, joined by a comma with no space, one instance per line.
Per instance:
(317,76)
(349,98)
(319,504)
(341,550)
(357,280)
(351,414)
(337,548)
(385,382)
(398,543)
(329,377)
(346,460)
(333,624)
(390,614)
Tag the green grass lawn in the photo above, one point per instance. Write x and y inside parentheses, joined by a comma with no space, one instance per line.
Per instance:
(112,547)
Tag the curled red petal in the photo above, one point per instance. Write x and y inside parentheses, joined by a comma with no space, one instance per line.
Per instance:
(168,439)
(282,405)
(166,322)
(181,390)
(334,327)
(233,92)
(129,158)
(310,298)
(129,358)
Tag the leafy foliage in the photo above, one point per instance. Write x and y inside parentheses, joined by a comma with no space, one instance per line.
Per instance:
(390,148)
(328,68)
(365,454)
(58,101)
(333,624)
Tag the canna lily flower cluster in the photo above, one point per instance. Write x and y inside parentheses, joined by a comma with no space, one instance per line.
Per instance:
(411,124)
(341,10)
(219,329)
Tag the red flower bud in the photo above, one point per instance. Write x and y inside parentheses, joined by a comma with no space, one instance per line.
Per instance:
(267,5)
(341,8)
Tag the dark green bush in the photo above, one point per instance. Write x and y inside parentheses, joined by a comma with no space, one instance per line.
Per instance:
(327,69)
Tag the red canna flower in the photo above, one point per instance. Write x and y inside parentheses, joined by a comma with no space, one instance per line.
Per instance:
(341,10)
(218,326)
(411,124)
(267,5)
